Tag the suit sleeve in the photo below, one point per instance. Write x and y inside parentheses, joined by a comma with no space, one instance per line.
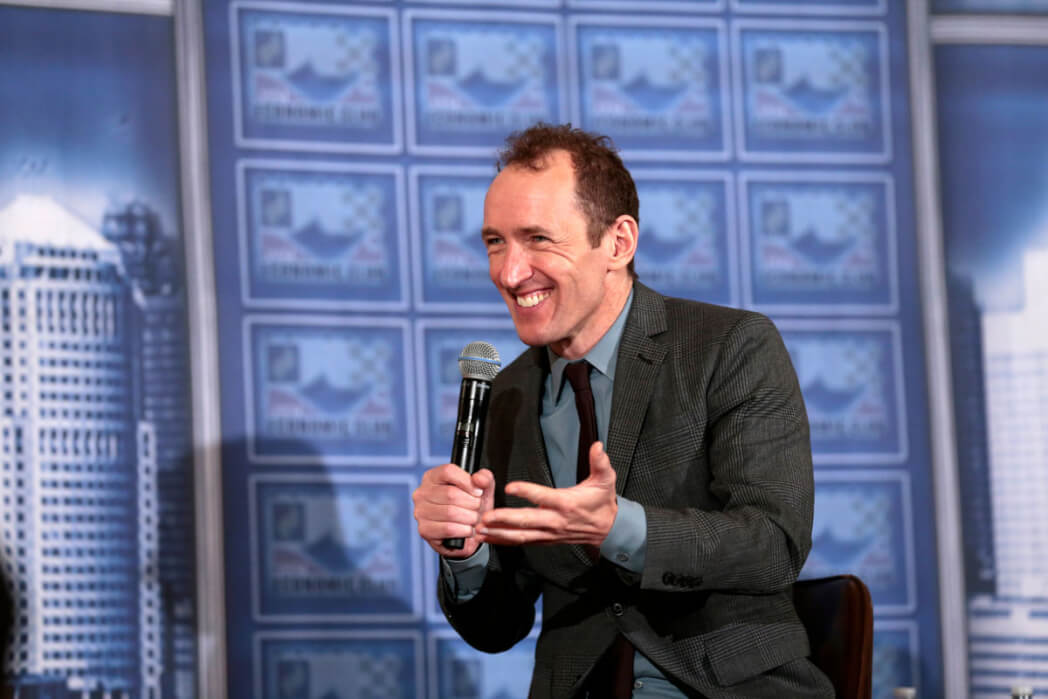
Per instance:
(757,445)
(502,612)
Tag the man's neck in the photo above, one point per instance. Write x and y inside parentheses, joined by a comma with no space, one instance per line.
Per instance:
(616,299)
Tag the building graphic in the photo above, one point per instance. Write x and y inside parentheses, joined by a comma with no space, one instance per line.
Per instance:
(1008,630)
(970,417)
(79,460)
(160,377)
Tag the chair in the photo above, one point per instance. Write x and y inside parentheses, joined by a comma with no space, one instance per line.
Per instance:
(838,614)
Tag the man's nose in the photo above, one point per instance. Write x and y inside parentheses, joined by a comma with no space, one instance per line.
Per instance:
(515,267)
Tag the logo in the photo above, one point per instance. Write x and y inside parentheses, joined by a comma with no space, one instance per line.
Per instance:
(651,87)
(455,264)
(466,674)
(335,547)
(893,658)
(813,90)
(477,80)
(292,679)
(349,667)
(322,76)
(329,391)
(683,238)
(322,235)
(819,242)
(848,381)
(289,522)
(858,528)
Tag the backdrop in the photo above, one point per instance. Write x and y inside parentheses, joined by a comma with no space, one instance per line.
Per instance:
(350,146)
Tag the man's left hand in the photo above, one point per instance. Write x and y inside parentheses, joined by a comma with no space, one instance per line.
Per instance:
(581,514)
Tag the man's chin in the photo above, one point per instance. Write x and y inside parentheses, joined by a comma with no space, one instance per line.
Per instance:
(529,334)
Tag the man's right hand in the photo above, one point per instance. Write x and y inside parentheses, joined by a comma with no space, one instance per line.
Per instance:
(448,505)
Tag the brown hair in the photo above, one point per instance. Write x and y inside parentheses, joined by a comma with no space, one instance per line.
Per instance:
(604,188)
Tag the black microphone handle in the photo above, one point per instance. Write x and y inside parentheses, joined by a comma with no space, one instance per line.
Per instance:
(469,433)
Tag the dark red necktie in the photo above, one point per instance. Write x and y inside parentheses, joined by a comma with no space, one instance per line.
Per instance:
(613,676)
(577,374)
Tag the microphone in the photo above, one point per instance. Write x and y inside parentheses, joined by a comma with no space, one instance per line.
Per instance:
(478,362)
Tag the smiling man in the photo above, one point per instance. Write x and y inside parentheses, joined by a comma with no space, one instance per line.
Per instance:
(664,560)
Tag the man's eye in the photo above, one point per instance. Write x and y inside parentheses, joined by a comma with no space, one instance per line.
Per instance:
(540,238)
(492,240)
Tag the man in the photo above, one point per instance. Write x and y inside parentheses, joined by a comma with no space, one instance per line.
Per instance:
(664,560)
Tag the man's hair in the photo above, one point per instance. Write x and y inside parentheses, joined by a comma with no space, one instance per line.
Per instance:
(604,189)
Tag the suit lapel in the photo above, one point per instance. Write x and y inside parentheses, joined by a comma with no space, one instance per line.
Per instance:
(532,462)
(638,363)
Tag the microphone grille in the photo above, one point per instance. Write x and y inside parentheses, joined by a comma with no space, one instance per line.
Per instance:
(479,360)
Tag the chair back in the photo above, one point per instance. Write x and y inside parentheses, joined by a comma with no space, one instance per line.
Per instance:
(838,614)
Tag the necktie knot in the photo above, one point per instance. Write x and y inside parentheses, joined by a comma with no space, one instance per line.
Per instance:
(577,374)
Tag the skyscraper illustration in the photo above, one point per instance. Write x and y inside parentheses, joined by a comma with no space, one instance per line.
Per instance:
(1007,631)
(78,479)
(160,376)
(1015,353)
(969,410)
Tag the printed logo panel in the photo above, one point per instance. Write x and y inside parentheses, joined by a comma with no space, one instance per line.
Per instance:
(322,78)
(320,235)
(862,526)
(816,245)
(815,94)
(479,76)
(465,673)
(655,90)
(685,236)
(851,380)
(333,394)
(344,666)
(810,7)
(453,258)
(441,345)
(335,549)
(895,653)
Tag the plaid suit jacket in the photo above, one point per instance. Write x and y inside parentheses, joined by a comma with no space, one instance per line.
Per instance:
(708,432)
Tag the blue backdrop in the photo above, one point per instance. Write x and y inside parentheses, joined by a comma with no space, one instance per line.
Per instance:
(351,146)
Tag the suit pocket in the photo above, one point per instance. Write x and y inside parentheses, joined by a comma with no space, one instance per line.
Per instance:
(737,653)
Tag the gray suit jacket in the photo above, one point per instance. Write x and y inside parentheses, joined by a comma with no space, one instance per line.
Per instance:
(708,432)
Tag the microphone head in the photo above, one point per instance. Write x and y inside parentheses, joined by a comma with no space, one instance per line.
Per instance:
(479,360)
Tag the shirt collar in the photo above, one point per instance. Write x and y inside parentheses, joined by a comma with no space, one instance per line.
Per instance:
(603,356)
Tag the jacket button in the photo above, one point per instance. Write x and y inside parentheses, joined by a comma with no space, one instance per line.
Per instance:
(617,609)
(669,578)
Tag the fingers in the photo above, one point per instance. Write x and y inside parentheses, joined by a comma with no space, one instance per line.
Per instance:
(520,518)
(450,474)
(533,492)
(447,506)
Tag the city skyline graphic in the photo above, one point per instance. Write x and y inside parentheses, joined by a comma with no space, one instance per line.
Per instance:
(98,536)
(94,430)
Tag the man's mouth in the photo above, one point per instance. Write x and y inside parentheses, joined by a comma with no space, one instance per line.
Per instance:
(532,299)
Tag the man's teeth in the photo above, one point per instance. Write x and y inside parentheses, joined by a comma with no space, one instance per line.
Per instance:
(532,299)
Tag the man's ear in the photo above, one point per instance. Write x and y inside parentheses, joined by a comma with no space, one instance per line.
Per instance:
(623,234)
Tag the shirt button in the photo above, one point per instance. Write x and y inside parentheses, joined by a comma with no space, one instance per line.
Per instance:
(622,557)
(617,609)
(638,685)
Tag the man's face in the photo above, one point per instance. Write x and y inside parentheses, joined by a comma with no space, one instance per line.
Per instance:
(541,260)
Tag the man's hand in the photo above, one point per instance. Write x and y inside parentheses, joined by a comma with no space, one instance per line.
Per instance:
(448,505)
(581,514)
